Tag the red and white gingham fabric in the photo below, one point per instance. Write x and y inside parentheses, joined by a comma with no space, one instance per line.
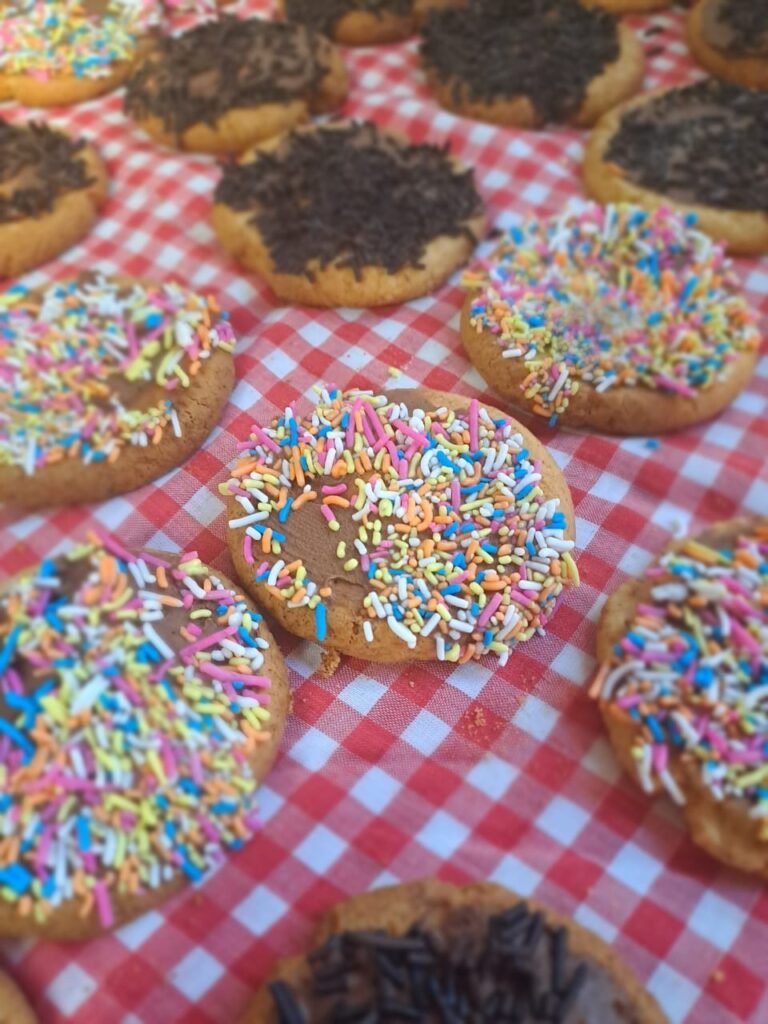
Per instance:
(390,774)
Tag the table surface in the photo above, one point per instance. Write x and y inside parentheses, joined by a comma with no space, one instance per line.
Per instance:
(389,774)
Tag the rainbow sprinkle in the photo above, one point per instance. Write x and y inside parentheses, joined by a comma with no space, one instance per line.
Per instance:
(455,539)
(611,296)
(74,357)
(692,670)
(133,702)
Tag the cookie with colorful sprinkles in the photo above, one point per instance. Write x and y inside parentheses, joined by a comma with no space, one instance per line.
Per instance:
(730,39)
(530,62)
(682,685)
(611,318)
(105,384)
(14,1008)
(142,701)
(415,525)
(440,952)
(346,214)
(52,187)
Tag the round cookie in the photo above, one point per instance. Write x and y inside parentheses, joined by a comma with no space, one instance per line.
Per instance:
(348,215)
(477,947)
(142,701)
(353,22)
(52,187)
(446,535)
(14,1008)
(702,147)
(730,39)
(228,84)
(682,685)
(530,62)
(611,318)
(105,385)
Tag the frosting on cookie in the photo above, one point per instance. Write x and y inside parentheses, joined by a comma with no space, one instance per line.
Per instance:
(691,669)
(324,15)
(703,143)
(131,702)
(37,165)
(611,297)
(735,27)
(430,521)
(352,197)
(91,366)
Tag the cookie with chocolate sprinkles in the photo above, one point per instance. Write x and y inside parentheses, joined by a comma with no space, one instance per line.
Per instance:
(228,84)
(354,22)
(730,39)
(348,215)
(530,62)
(702,148)
(52,187)
(431,952)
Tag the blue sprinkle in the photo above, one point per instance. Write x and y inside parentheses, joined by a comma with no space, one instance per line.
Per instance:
(83,832)
(16,877)
(321,623)
(9,648)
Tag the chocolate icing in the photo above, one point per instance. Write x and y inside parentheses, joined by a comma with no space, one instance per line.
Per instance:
(546,50)
(220,65)
(324,15)
(461,965)
(37,166)
(353,197)
(705,143)
(736,27)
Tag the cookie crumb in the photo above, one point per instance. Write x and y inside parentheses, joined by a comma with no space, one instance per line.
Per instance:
(329,662)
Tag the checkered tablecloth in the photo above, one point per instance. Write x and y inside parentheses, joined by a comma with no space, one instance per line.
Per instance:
(389,774)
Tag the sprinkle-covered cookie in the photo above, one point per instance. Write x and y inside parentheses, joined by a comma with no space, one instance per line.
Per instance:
(730,39)
(683,685)
(415,525)
(142,701)
(611,318)
(105,384)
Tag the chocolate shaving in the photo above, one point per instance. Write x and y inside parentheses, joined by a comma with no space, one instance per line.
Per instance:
(37,165)
(221,65)
(511,968)
(324,15)
(353,197)
(705,143)
(546,50)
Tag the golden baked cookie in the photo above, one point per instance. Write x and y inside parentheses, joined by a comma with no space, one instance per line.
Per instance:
(530,62)
(611,318)
(353,22)
(14,1008)
(440,947)
(730,39)
(682,685)
(142,701)
(415,525)
(52,187)
(228,84)
(105,384)
(348,215)
(630,6)
(701,147)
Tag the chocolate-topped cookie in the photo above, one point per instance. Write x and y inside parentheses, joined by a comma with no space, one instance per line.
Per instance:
(431,952)
(51,189)
(530,62)
(228,84)
(701,147)
(353,22)
(348,215)
(730,39)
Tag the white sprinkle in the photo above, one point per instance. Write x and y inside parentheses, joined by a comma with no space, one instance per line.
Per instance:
(254,517)
(368,630)
(153,637)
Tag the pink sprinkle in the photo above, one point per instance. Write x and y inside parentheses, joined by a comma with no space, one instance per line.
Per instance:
(334,489)
(474,438)
(207,641)
(219,672)
(489,609)
(103,904)
(327,514)
(248,549)
(265,439)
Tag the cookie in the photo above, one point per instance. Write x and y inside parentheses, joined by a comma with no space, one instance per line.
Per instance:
(702,147)
(683,685)
(228,84)
(611,318)
(142,701)
(414,525)
(630,6)
(353,22)
(14,1008)
(348,215)
(52,187)
(730,39)
(452,953)
(530,62)
(105,385)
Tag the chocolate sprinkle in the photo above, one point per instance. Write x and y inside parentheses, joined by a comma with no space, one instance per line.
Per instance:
(220,65)
(353,197)
(324,15)
(511,968)
(705,143)
(747,25)
(37,165)
(546,50)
